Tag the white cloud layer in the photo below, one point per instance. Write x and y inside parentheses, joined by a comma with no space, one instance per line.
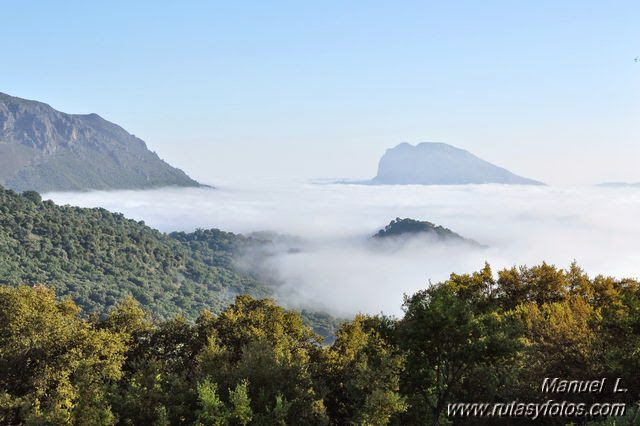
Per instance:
(338,271)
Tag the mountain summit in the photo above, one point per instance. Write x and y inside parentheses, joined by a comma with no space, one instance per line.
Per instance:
(43,149)
(431,163)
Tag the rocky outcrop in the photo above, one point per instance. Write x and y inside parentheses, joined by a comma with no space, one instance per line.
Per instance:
(43,149)
(440,164)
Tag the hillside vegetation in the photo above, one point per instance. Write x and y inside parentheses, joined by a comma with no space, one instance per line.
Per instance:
(98,258)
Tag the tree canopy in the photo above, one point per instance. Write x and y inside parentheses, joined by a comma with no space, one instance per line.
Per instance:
(477,337)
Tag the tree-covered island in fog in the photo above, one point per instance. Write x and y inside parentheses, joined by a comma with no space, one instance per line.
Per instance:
(407,228)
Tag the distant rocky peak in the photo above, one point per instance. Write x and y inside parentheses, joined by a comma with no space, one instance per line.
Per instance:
(436,163)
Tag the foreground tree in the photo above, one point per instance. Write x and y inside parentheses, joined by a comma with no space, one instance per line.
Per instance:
(273,353)
(445,338)
(362,375)
(54,367)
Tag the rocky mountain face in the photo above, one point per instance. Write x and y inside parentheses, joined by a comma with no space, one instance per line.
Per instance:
(43,149)
(440,164)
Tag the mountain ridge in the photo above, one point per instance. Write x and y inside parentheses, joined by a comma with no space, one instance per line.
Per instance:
(43,149)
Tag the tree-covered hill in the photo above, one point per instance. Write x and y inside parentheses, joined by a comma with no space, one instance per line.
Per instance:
(98,257)
(410,228)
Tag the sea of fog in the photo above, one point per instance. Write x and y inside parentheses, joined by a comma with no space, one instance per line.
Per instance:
(339,271)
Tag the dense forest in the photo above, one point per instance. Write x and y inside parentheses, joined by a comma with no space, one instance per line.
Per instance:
(98,257)
(104,321)
(473,338)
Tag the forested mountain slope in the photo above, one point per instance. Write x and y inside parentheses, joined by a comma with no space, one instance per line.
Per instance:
(98,257)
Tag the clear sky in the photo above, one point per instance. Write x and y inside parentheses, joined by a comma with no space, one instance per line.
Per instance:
(319,89)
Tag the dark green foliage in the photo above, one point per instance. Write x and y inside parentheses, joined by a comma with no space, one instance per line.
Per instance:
(226,249)
(445,338)
(214,247)
(98,258)
(410,227)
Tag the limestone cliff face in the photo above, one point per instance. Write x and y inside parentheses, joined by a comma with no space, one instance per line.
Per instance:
(440,164)
(43,149)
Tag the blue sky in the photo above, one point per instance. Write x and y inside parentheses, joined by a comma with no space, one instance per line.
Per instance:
(548,89)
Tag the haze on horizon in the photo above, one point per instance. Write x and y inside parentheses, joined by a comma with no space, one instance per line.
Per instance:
(228,90)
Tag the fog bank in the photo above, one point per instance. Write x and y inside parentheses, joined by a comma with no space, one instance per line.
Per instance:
(340,272)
